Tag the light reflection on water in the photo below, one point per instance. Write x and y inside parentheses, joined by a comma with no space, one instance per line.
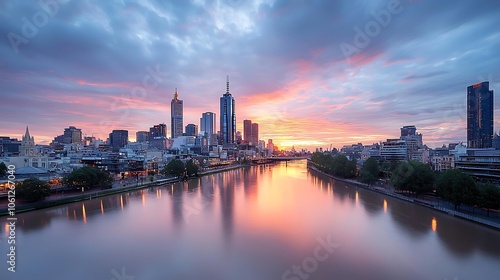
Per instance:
(251,223)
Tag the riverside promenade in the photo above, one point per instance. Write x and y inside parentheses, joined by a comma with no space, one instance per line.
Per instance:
(436,204)
(60,198)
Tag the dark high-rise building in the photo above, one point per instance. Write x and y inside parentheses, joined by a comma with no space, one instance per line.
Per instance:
(176,113)
(479,116)
(255,134)
(191,130)
(227,117)
(158,130)
(72,135)
(142,136)
(247,131)
(408,130)
(118,139)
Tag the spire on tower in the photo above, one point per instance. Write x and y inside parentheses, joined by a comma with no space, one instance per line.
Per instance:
(175,95)
(27,134)
(227,83)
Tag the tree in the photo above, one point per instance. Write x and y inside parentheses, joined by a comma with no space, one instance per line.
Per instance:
(88,177)
(32,189)
(457,187)
(350,168)
(413,176)
(174,167)
(191,168)
(338,165)
(370,171)
(3,169)
(489,197)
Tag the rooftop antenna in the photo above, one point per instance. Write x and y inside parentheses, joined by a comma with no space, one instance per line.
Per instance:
(175,94)
(227,83)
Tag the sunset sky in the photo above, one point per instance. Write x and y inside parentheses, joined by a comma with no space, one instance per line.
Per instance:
(299,68)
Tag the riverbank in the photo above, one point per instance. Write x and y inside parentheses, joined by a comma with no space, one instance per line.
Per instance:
(70,198)
(465,216)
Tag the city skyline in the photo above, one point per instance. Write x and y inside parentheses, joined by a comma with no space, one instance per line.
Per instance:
(340,79)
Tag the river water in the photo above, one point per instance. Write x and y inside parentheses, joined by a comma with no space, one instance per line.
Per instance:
(254,223)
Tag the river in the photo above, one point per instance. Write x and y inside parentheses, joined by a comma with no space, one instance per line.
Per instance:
(255,223)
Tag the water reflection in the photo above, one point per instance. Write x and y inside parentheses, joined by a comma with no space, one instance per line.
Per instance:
(252,223)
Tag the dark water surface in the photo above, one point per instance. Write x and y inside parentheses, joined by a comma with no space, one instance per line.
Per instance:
(255,223)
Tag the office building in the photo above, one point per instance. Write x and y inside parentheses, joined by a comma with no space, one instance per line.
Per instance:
(413,140)
(207,123)
(72,135)
(118,139)
(255,134)
(207,127)
(158,131)
(141,136)
(191,130)
(247,131)
(479,116)
(393,150)
(176,113)
(227,117)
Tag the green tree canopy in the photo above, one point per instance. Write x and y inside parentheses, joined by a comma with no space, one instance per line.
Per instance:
(457,187)
(3,169)
(32,189)
(174,167)
(191,168)
(413,176)
(88,177)
(337,165)
(489,197)
(370,171)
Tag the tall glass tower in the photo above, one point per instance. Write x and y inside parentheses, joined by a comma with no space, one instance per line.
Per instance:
(479,116)
(227,117)
(176,107)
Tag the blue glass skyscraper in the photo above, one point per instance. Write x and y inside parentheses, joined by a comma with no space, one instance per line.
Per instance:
(227,117)
(479,116)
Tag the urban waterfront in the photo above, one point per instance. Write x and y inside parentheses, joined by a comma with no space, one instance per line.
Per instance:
(261,222)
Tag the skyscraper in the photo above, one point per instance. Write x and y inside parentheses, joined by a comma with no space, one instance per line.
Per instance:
(227,117)
(141,136)
(72,135)
(207,127)
(176,108)
(207,123)
(118,139)
(158,130)
(255,134)
(191,130)
(247,131)
(479,116)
